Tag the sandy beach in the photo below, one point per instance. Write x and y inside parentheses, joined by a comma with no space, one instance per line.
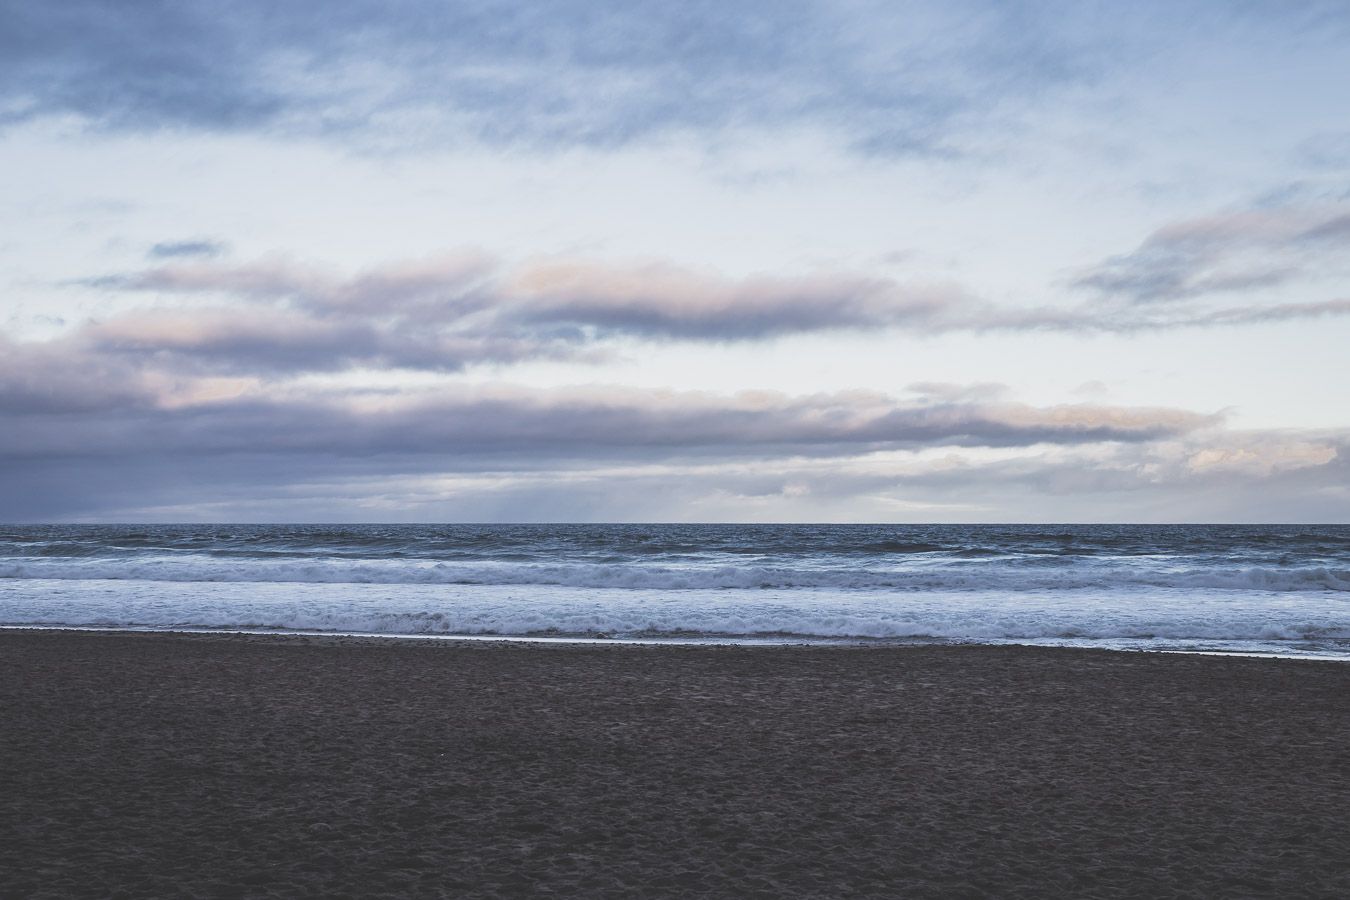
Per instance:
(139,765)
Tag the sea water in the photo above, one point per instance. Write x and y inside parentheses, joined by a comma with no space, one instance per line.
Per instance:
(1267,589)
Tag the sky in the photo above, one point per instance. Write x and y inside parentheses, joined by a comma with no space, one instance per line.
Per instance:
(420,261)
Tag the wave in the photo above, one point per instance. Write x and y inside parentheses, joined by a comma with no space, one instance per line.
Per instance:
(583,621)
(1014,575)
(1296,622)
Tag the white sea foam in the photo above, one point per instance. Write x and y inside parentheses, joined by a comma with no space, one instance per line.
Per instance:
(1087,616)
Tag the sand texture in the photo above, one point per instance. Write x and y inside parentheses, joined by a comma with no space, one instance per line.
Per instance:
(139,765)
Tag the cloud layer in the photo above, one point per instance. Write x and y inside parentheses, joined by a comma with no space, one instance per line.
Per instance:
(80,442)
(463,309)
(891,79)
(93,433)
(145,416)
(615,454)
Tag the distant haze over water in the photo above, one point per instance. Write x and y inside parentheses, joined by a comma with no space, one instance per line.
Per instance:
(1236,588)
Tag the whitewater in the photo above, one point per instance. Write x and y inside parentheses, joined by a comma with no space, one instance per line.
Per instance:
(1271,589)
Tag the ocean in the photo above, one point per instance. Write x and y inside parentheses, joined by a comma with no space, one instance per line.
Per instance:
(1226,588)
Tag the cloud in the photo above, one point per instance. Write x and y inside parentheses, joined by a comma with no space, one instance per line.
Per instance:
(666,301)
(1283,312)
(447,312)
(458,309)
(88,432)
(268,340)
(942,391)
(1263,459)
(889,80)
(175,249)
(573,456)
(563,423)
(136,445)
(1208,475)
(1235,252)
(50,379)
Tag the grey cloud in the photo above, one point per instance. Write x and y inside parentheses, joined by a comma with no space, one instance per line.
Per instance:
(1149,276)
(1208,475)
(440,287)
(1230,253)
(149,64)
(1090,320)
(293,318)
(235,340)
(671,302)
(564,423)
(152,445)
(448,312)
(269,343)
(175,249)
(51,379)
(1284,312)
(1336,228)
(890,79)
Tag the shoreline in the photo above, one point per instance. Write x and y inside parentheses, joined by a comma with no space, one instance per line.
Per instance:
(171,764)
(710,641)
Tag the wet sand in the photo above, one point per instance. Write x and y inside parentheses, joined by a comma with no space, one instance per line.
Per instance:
(233,766)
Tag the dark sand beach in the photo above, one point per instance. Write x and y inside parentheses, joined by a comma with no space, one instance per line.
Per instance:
(161,765)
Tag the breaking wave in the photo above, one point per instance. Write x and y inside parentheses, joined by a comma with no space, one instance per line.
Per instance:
(1083,617)
(1013,575)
